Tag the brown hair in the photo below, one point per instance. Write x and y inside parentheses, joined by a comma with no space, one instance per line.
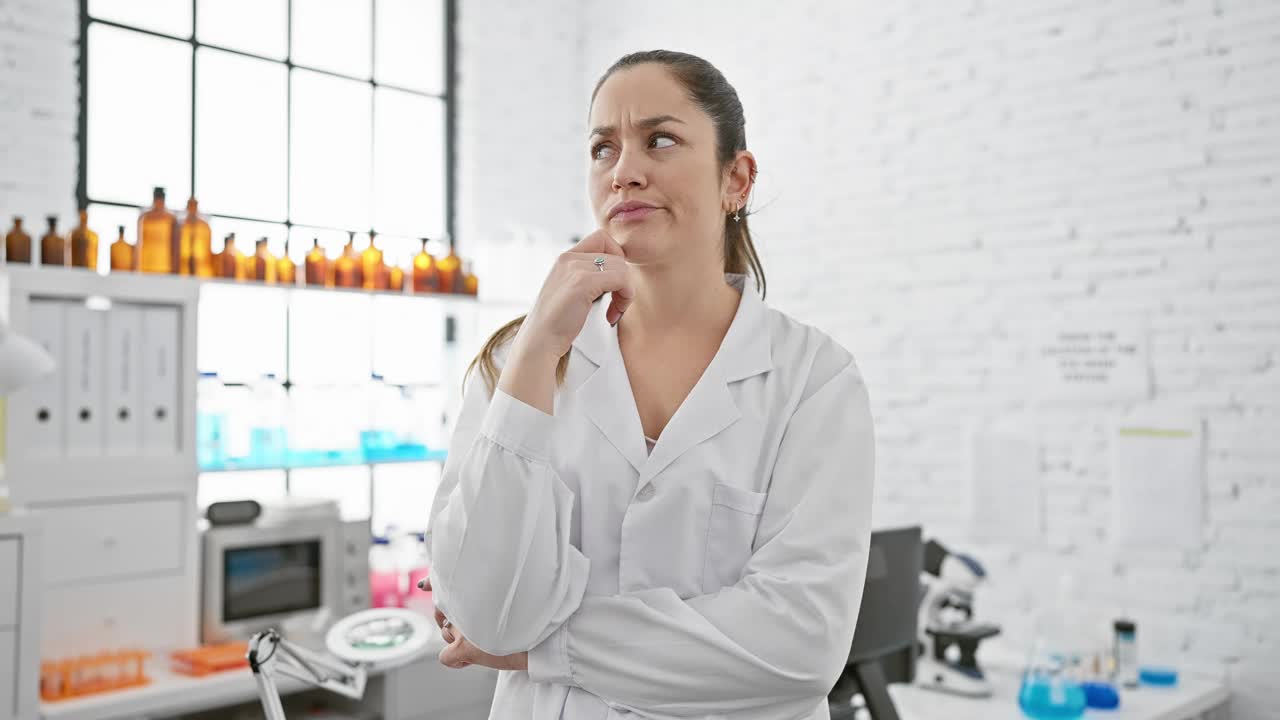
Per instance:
(710,91)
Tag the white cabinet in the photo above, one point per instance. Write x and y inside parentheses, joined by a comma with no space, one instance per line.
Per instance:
(20,616)
(105,540)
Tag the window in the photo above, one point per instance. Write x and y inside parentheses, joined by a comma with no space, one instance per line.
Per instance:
(329,115)
(289,120)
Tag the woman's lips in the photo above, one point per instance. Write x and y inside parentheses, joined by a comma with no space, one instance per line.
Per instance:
(636,215)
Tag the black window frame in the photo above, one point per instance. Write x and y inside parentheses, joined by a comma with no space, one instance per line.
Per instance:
(448,98)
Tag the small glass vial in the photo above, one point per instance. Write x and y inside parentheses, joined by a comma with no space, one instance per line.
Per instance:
(1126,651)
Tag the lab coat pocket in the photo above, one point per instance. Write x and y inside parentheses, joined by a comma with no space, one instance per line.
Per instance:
(735,513)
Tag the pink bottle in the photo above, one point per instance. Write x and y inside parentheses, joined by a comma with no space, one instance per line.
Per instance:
(419,567)
(384,576)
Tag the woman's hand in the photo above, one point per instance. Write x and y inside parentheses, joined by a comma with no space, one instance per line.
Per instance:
(460,652)
(574,283)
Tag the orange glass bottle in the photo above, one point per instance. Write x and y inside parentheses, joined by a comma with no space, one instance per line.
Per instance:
(286,271)
(122,253)
(346,269)
(17,243)
(371,266)
(53,247)
(84,244)
(470,283)
(426,278)
(395,275)
(264,264)
(317,266)
(195,244)
(450,266)
(229,263)
(155,237)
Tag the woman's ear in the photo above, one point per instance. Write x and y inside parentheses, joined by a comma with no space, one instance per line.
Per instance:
(740,177)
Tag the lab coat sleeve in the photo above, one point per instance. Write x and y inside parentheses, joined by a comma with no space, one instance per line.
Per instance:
(503,569)
(783,632)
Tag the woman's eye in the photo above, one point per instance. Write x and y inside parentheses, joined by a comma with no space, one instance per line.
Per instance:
(601,151)
(662,141)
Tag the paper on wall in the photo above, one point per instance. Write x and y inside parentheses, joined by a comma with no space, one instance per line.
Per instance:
(1157,482)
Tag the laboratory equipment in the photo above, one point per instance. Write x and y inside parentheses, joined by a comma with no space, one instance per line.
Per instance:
(948,632)
(286,270)
(261,575)
(84,244)
(374,640)
(53,247)
(1158,676)
(884,643)
(371,268)
(195,243)
(426,276)
(384,575)
(1051,688)
(233,512)
(17,243)
(91,674)
(264,263)
(155,237)
(122,258)
(1126,652)
(209,659)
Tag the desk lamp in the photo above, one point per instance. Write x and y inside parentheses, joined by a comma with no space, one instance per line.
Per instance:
(368,641)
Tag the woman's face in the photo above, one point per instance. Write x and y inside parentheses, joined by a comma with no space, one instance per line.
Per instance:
(651,145)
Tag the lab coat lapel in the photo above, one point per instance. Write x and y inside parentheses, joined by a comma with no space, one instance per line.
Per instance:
(606,396)
(710,407)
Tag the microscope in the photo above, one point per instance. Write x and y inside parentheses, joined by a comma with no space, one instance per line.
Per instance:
(948,634)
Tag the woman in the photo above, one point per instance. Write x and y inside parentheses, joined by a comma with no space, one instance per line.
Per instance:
(667,514)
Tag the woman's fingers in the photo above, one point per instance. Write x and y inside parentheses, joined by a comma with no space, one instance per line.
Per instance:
(613,276)
(599,242)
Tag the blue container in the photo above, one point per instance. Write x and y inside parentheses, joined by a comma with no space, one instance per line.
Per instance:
(211,439)
(1051,697)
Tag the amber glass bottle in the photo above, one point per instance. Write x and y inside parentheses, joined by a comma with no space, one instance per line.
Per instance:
(264,263)
(426,278)
(371,266)
(84,244)
(346,269)
(155,237)
(229,263)
(53,247)
(17,244)
(121,253)
(286,271)
(317,266)
(195,244)
(450,266)
(470,283)
(395,274)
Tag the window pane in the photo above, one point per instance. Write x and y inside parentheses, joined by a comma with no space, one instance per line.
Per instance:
(330,173)
(410,44)
(408,340)
(106,221)
(333,35)
(330,338)
(139,116)
(241,331)
(348,485)
(167,16)
(255,26)
(241,134)
(402,496)
(409,164)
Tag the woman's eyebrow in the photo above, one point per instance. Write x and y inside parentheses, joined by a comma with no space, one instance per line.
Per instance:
(645,123)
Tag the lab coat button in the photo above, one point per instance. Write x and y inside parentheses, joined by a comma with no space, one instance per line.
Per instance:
(645,493)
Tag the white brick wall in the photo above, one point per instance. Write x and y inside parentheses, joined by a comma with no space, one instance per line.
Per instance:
(39,92)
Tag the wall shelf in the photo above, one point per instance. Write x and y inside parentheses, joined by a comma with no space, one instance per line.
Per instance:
(336,458)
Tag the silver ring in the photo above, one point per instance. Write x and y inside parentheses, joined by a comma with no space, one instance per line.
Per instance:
(600,264)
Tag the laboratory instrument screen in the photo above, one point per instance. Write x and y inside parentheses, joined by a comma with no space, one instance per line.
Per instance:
(270,579)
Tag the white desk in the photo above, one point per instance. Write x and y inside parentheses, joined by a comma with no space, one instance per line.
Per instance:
(433,691)
(1191,698)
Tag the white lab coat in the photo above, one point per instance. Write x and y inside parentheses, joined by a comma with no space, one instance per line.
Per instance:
(718,576)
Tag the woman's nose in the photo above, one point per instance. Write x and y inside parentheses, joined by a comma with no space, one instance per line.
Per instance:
(629,171)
